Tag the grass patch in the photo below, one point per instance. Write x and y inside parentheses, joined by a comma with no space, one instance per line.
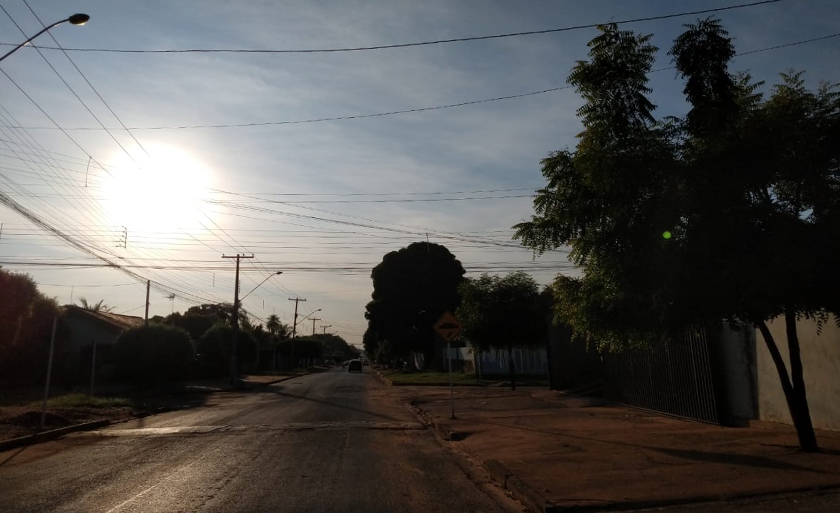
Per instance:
(430,378)
(85,401)
(459,378)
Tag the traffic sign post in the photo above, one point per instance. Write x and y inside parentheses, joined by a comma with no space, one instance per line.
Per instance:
(448,328)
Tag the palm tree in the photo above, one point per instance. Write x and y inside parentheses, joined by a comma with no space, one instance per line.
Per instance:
(276,328)
(99,306)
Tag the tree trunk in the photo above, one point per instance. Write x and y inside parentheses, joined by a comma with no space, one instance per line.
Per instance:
(794,390)
(511,369)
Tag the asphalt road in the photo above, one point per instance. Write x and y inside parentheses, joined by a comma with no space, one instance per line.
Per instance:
(331,442)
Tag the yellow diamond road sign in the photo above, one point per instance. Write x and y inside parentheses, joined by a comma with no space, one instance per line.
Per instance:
(448,327)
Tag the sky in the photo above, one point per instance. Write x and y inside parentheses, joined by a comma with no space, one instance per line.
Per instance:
(168,186)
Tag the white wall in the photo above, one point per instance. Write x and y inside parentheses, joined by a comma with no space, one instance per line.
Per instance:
(821,367)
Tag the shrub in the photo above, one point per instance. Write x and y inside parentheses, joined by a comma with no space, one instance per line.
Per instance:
(214,351)
(154,354)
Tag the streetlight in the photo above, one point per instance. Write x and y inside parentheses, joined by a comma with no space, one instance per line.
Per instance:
(260,285)
(234,361)
(294,331)
(308,316)
(76,19)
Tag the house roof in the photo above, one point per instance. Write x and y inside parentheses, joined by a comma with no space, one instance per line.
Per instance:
(122,322)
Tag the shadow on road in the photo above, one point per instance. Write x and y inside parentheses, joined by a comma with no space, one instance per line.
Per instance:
(11,456)
(277,391)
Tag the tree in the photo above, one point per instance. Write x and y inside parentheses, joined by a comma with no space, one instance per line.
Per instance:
(213,350)
(155,354)
(502,313)
(728,213)
(334,346)
(26,319)
(412,288)
(99,306)
(277,328)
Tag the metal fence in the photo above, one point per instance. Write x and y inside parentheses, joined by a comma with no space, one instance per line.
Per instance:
(673,376)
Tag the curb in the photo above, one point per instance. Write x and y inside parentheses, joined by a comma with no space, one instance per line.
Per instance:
(382,378)
(442,428)
(44,436)
(518,488)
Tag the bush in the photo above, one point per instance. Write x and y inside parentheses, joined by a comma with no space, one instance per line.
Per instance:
(214,351)
(154,354)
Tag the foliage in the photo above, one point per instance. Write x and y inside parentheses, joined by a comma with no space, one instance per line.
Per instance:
(99,306)
(26,318)
(77,400)
(412,288)
(213,350)
(200,318)
(502,312)
(335,347)
(728,213)
(155,354)
(277,328)
(305,348)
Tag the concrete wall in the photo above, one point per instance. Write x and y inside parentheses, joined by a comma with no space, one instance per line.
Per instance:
(821,366)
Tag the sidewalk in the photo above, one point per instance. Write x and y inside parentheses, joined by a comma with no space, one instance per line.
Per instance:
(557,452)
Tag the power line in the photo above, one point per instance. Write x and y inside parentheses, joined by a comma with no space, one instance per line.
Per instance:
(85,105)
(85,79)
(57,126)
(377,193)
(430,42)
(417,109)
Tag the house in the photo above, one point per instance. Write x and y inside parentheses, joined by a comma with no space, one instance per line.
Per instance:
(91,332)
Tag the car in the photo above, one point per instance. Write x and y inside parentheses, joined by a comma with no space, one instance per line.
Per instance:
(329,362)
(354,366)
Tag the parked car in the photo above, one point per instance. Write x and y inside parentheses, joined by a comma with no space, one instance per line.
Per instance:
(354,366)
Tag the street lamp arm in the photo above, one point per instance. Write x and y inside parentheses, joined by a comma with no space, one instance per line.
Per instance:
(307,317)
(76,19)
(258,286)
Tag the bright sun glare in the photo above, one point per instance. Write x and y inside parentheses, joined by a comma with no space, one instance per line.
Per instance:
(162,191)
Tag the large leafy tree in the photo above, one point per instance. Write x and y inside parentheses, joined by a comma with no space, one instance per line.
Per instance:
(26,319)
(727,213)
(412,288)
(502,313)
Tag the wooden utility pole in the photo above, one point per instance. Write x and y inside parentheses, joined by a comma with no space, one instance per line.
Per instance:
(313,325)
(294,329)
(325,328)
(234,322)
(148,286)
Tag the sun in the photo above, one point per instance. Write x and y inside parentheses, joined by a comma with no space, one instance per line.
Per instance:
(161,191)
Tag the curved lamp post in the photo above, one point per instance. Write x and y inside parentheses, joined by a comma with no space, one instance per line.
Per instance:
(234,360)
(76,19)
(294,328)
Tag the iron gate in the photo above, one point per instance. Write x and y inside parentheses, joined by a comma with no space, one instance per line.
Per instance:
(671,376)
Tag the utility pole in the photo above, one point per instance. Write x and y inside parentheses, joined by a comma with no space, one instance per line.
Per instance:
(49,373)
(325,328)
(234,322)
(313,325)
(148,286)
(294,329)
